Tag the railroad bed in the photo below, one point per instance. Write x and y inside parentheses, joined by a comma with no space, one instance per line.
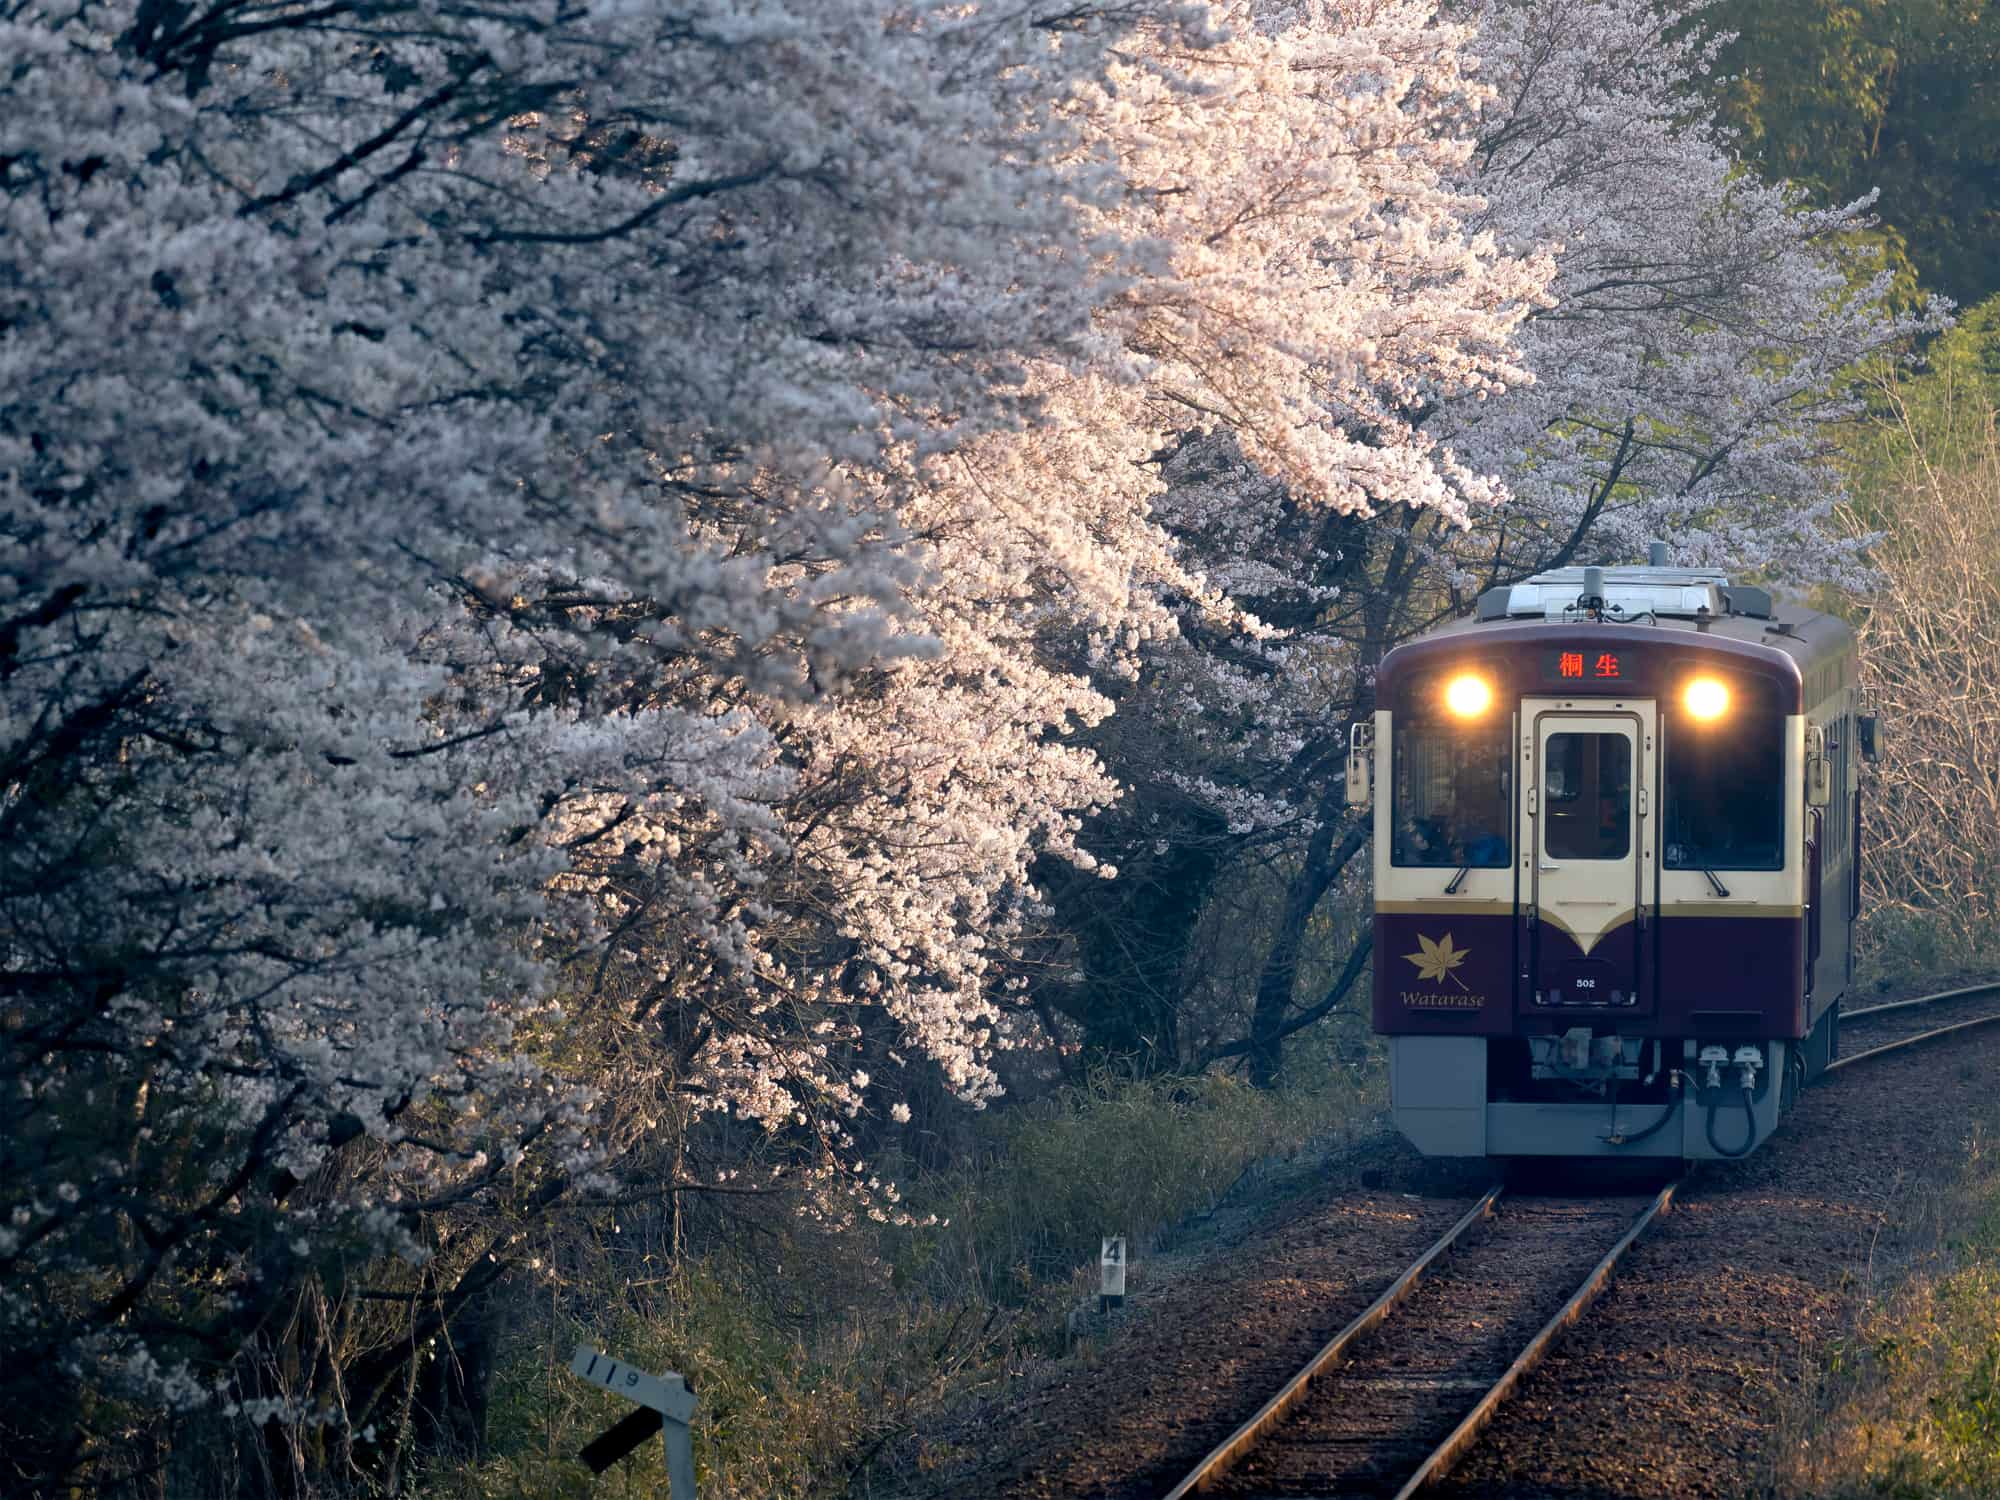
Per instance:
(1385,1410)
(1372,1425)
(1901,1021)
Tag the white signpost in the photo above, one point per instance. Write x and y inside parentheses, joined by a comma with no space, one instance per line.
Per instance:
(666,1395)
(1111,1266)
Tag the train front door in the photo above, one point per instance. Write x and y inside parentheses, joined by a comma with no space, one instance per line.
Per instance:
(1587,876)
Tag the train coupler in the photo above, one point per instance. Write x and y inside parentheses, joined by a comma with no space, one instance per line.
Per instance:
(1714,1058)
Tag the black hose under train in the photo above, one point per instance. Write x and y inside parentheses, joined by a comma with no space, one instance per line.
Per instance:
(1672,1114)
(1749,1126)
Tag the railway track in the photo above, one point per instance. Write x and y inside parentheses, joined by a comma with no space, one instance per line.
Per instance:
(1381,1417)
(1473,1314)
(1904,1023)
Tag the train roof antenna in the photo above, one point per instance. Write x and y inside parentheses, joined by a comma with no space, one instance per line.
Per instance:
(1592,597)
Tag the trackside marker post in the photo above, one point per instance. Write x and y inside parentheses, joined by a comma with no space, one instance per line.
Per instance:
(1111,1266)
(667,1401)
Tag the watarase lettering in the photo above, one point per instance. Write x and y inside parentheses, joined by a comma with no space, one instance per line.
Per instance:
(1442,1001)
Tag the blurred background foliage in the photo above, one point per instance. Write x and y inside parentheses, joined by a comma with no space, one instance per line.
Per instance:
(1900,97)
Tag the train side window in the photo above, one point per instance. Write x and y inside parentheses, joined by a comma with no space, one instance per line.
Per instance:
(1452,794)
(1722,809)
(1587,786)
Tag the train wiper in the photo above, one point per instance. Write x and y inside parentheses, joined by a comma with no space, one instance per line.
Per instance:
(1720,888)
(1465,870)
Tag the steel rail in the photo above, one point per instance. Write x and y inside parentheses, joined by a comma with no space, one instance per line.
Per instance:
(1467,1432)
(1959,994)
(1273,1411)
(1909,1041)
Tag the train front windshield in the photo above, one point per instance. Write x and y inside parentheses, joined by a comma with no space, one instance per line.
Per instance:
(1722,807)
(1451,802)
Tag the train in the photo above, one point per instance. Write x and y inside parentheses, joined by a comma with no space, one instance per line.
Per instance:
(1617,835)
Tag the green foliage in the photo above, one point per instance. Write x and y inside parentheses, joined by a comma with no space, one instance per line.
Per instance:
(1119,1155)
(1952,403)
(1842,96)
(1896,941)
(1937,419)
(774,1407)
(1936,1433)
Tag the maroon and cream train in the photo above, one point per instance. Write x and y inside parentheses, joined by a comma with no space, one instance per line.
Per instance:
(1616,827)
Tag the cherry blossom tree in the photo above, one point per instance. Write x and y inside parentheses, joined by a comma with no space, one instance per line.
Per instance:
(1310,264)
(541,526)
(1710,332)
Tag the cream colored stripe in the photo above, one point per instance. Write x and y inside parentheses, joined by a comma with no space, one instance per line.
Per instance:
(1447,906)
(1729,909)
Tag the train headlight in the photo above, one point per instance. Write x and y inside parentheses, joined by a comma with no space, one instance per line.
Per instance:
(1705,698)
(1468,695)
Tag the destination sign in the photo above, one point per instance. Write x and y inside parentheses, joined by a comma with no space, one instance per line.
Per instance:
(1580,665)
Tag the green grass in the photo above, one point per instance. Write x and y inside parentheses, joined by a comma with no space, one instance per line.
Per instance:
(1116,1155)
(1899,945)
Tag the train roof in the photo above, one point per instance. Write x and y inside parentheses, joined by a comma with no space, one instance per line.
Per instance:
(1690,608)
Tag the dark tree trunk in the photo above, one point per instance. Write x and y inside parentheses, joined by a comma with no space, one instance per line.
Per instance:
(455,1389)
(1336,841)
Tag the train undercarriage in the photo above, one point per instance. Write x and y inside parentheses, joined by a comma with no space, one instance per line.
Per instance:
(1582,1093)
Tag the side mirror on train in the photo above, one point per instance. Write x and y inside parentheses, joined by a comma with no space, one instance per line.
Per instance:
(1865,728)
(1360,764)
(1819,773)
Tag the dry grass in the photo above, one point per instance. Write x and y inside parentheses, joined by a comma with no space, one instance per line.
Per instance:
(1906,1403)
(808,1349)
(1930,644)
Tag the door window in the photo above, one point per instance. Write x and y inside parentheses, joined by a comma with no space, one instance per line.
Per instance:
(1587,789)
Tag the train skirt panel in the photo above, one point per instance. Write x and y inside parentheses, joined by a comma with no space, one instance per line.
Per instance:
(1442,1103)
